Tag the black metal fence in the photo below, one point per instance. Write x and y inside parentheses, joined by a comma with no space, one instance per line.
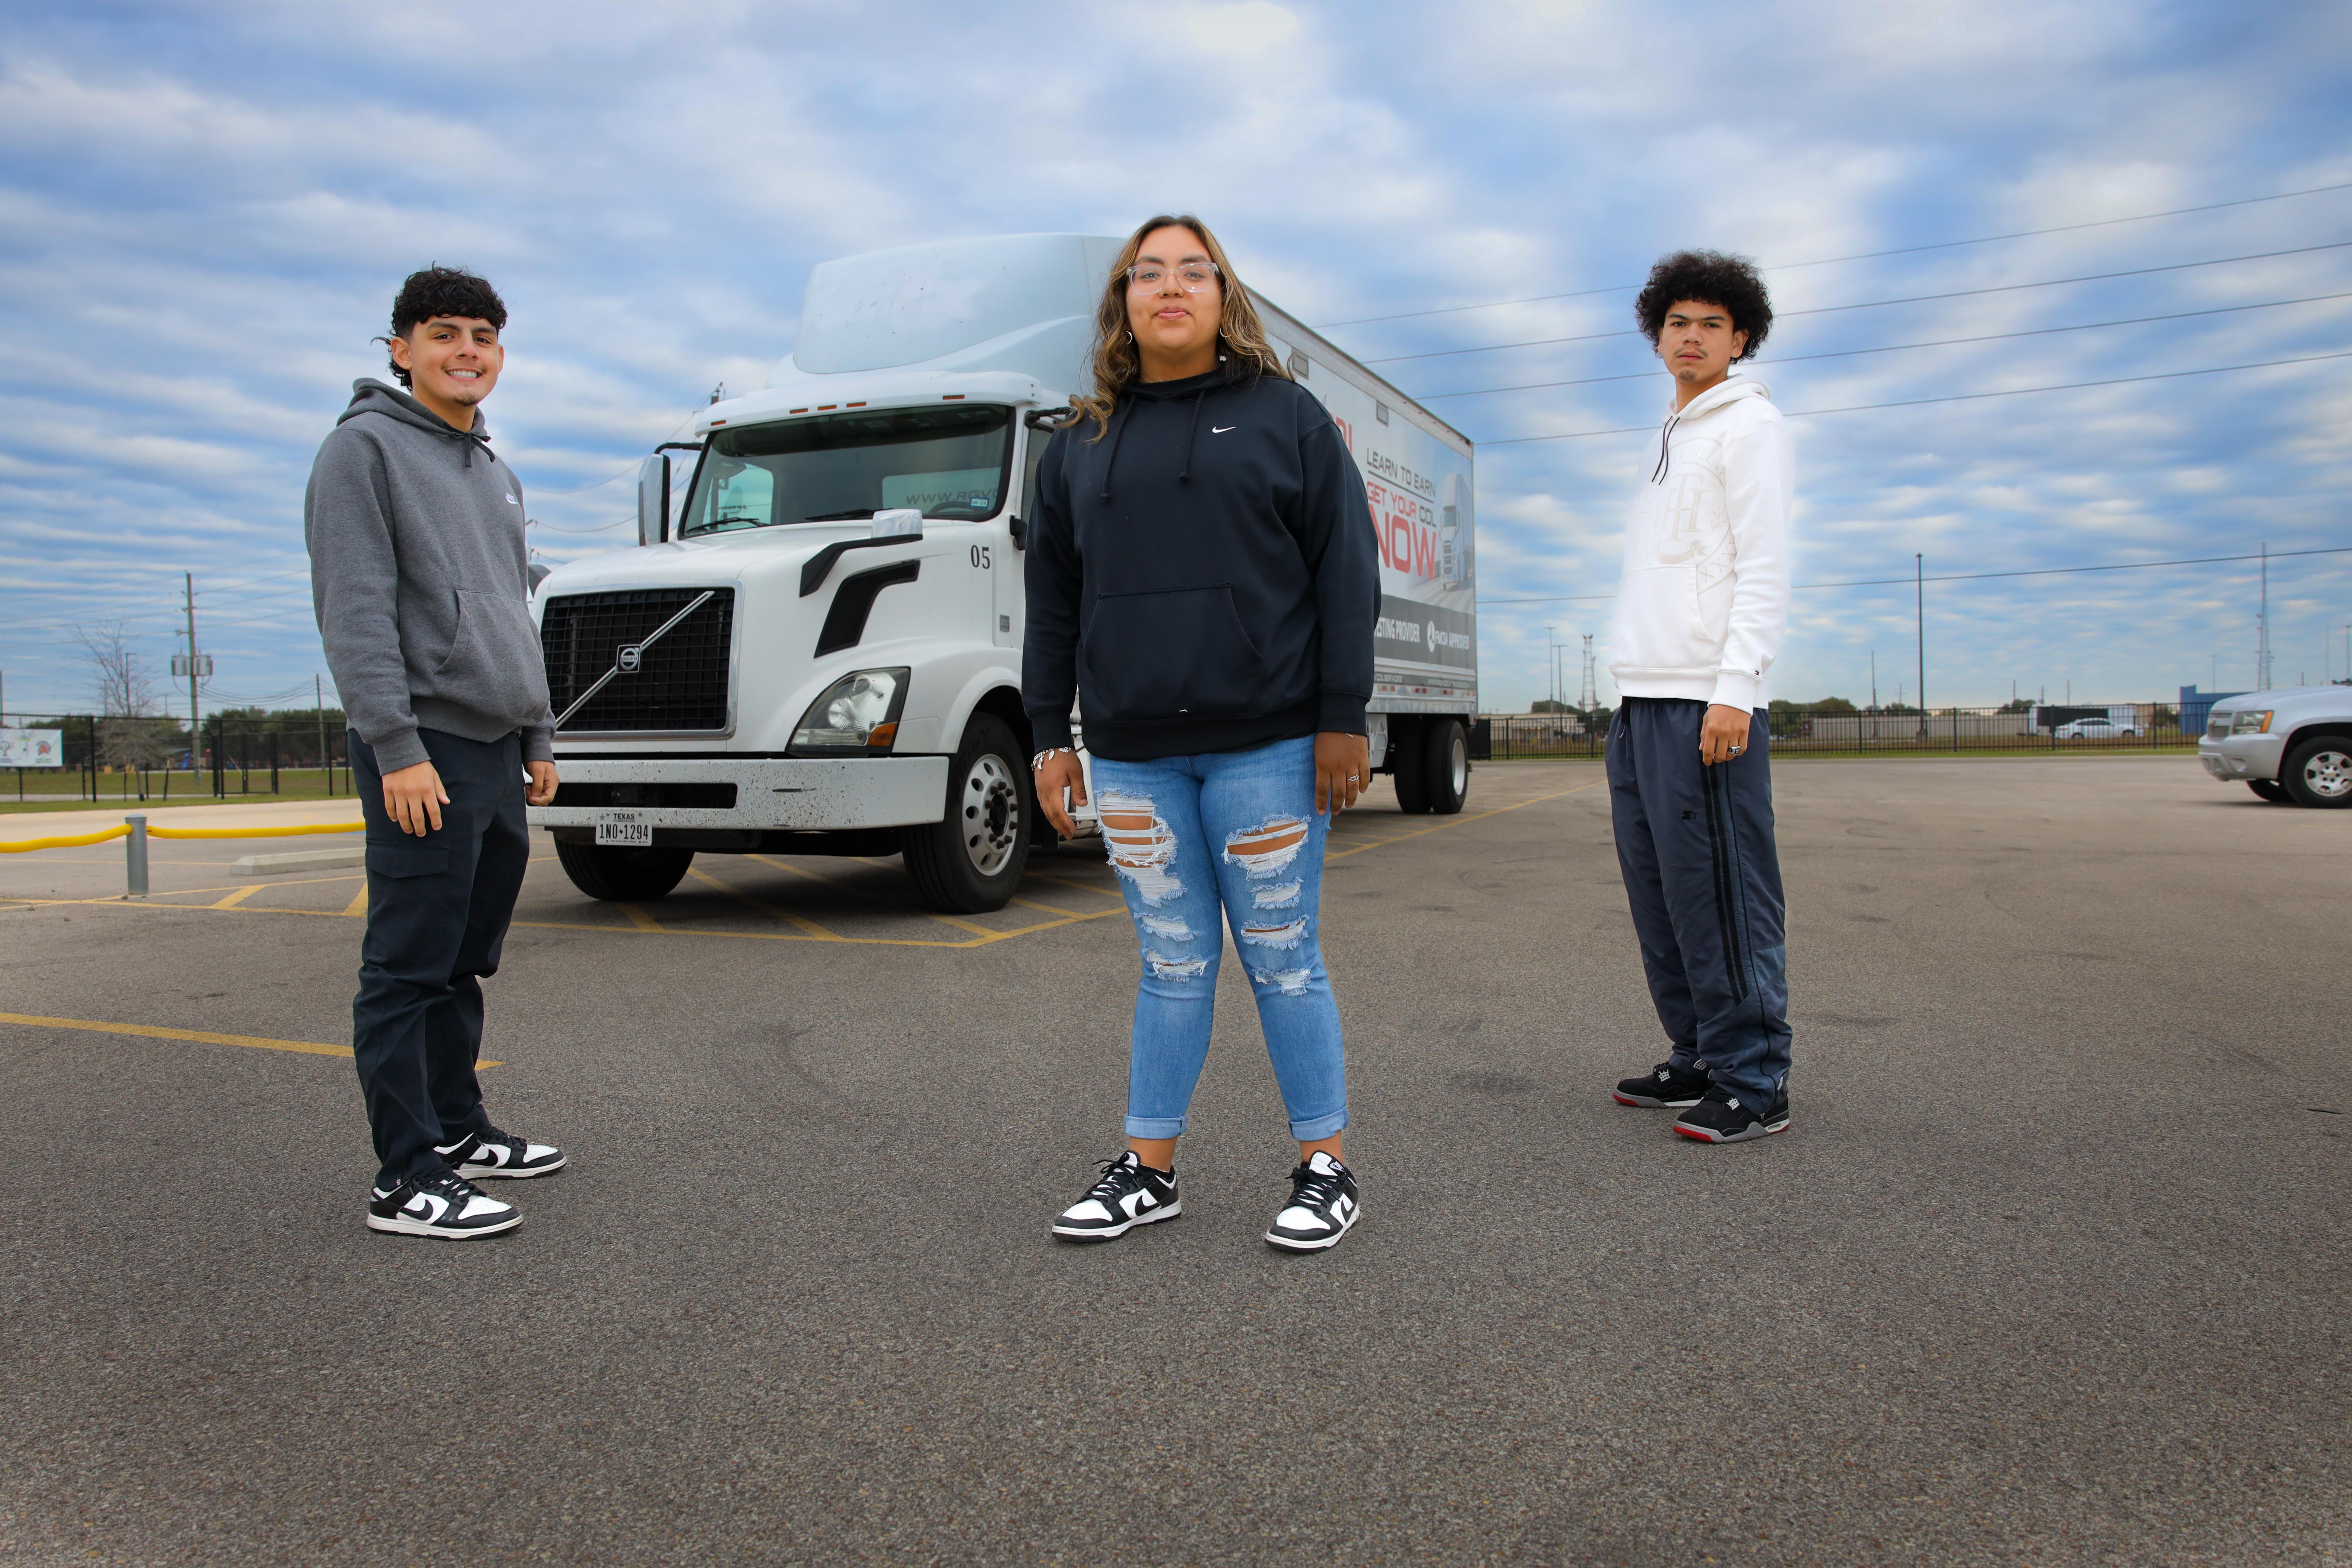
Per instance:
(151,759)
(1840,730)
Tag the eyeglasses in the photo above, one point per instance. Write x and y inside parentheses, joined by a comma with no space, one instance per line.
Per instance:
(1193,277)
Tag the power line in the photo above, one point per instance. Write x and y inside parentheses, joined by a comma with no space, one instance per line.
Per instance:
(1906,300)
(1984,576)
(1862,256)
(1953,397)
(1897,348)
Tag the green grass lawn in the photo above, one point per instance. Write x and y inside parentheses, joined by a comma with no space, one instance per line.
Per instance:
(121,790)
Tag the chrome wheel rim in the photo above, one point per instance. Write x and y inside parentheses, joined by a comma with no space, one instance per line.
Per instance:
(1458,766)
(991,810)
(2328,774)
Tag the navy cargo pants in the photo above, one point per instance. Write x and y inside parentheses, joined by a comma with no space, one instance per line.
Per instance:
(437,913)
(1704,879)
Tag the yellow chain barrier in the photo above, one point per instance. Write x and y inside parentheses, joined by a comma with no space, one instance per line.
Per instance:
(21,844)
(77,840)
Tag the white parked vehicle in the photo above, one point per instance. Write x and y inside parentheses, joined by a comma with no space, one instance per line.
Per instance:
(2093,729)
(820,651)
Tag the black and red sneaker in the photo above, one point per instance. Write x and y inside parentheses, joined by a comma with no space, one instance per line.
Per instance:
(1663,1086)
(1722,1117)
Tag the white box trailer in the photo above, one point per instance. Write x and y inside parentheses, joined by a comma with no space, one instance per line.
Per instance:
(819,650)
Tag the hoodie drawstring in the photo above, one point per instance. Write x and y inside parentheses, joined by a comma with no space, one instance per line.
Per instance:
(1118,433)
(1658,474)
(470,439)
(1191,437)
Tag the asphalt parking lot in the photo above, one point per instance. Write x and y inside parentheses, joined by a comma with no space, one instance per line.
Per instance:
(2051,1268)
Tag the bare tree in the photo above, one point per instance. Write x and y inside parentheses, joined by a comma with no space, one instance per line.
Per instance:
(126,735)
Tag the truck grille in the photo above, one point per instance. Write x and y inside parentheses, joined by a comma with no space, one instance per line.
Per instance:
(681,683)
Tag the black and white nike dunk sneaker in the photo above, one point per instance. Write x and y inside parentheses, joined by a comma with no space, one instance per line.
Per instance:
(491,1152)
(1723,1117)
(1323,1205)
(1130,1193)
(444,1203)
(1665,1085)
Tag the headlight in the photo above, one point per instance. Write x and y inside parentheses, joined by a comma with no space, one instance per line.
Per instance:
(858,715)
(2251,722)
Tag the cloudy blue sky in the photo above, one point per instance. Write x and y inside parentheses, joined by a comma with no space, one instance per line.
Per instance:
(206,208)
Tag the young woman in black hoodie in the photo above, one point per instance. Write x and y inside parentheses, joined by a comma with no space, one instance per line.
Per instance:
(1203,576)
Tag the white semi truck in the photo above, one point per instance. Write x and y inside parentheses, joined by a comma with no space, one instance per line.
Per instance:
(819,652)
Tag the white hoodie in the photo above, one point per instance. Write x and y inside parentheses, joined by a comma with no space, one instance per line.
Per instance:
(1704,597)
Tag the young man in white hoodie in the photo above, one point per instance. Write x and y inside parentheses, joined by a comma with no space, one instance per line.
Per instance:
(1700,613)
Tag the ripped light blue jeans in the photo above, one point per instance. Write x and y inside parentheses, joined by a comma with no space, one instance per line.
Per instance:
(1229,837)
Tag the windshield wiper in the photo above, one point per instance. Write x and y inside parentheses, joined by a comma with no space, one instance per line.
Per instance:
(856,515)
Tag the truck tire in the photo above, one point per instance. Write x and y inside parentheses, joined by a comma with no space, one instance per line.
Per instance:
(972,859)
(1406,766)
(1445,766)
(2270,790)
(615,875)
(2319,772)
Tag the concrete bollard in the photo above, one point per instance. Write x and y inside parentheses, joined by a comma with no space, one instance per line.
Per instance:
(134,856)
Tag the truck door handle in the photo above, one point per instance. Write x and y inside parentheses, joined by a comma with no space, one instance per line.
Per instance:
(1020,533)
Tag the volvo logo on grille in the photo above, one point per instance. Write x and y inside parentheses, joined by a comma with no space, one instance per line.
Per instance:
(630,660)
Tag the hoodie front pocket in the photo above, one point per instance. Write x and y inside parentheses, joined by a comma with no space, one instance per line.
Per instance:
(1660,622)
(1174,653)
(494,664)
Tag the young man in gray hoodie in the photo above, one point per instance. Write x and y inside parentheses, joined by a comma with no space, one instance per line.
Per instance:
(420,577)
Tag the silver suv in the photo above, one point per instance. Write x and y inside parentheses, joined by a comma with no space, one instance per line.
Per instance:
(2293,746)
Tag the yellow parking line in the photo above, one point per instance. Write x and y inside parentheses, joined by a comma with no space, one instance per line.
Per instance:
(1329,854)
(1033,904)
(1081,887)
(200,1035)
(358,906)
(637,917)
(841,886)
(237,897)
(803,923)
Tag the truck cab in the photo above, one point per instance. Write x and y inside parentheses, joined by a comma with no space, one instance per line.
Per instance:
(815,646)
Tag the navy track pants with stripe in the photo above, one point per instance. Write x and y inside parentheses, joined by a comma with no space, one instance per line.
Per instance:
(1703,876)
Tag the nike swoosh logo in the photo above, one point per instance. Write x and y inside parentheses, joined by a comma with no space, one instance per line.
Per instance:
(1221,429)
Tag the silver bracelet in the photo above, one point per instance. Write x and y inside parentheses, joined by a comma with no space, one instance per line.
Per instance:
(1039,760)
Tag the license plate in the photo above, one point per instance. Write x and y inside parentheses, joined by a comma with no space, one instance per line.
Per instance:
(625,827)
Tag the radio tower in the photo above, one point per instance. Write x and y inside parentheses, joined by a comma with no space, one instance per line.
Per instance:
(1590,698)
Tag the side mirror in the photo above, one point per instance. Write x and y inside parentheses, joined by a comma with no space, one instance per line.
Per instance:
(652,500)
(897,522)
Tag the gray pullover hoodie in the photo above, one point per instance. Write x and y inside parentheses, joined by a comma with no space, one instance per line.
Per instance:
(422,580)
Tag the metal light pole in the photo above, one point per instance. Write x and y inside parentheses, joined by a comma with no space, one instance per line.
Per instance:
(1919,590)
(2263,626)
(319,690)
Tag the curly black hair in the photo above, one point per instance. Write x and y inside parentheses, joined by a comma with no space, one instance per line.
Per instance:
(1708,278)
(442,291)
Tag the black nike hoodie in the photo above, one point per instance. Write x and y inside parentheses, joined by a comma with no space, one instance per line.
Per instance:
(1203,574)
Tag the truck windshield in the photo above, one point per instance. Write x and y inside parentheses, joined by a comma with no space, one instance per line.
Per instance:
(950,462)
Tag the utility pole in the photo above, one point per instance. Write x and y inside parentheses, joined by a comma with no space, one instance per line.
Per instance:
(1551,667)
(1874,680)
(193,666)
(191,584)
(2262,626)
(1919,589)
(319,688)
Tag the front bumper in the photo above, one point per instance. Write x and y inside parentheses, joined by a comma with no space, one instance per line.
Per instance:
(771,793)
(2237,757)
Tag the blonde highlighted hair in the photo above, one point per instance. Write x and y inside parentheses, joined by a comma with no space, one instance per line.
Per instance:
(1241,336)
